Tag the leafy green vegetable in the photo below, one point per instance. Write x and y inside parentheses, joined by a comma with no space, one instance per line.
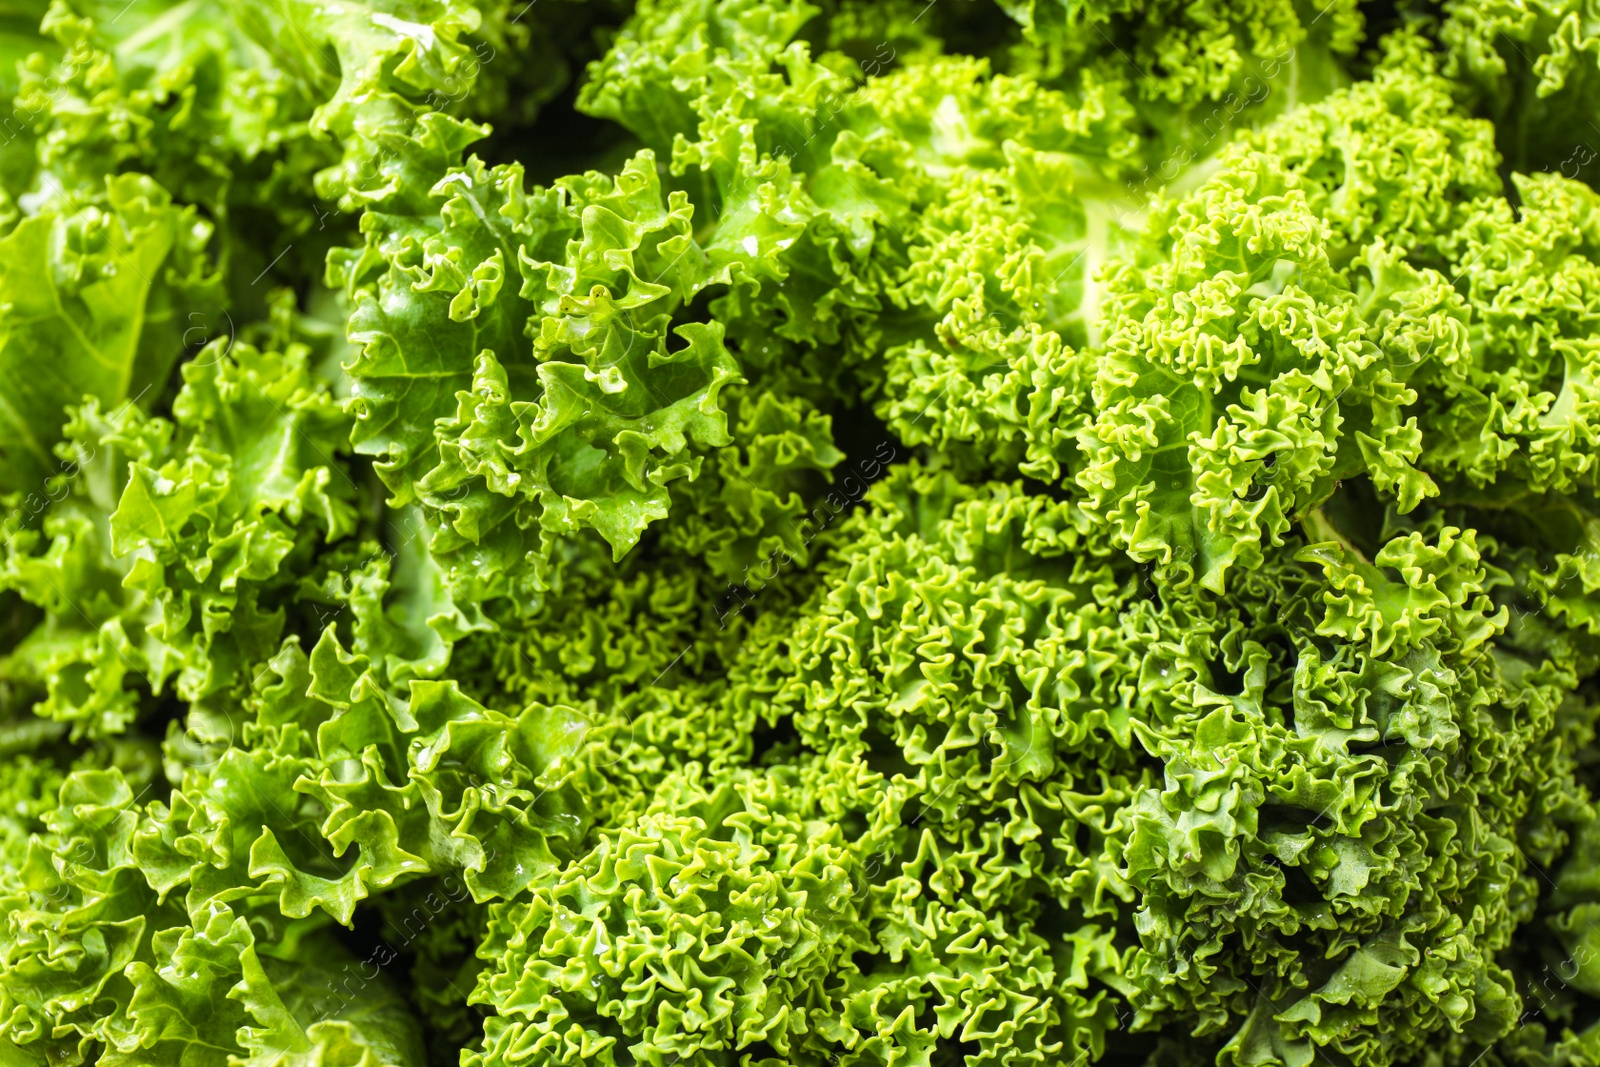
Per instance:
(762,532)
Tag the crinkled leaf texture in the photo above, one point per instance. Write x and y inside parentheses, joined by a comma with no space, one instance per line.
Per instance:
(853,579)
(94,303)
(519,375)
